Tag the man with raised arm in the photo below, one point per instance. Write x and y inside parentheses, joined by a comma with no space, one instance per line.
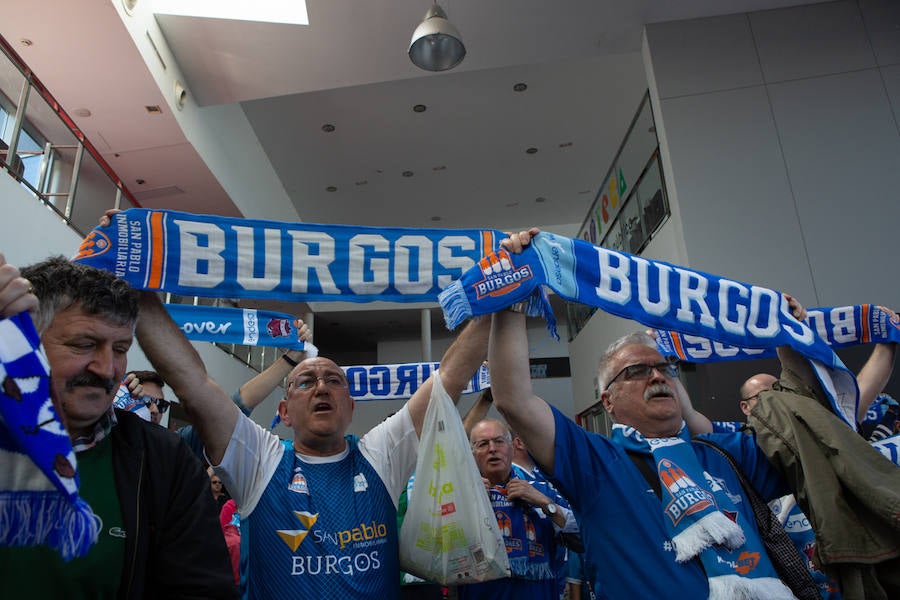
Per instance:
(319,510)
(659,516)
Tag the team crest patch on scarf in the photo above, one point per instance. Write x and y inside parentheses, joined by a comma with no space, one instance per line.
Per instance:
(39,503)
(702,521)
(657,294)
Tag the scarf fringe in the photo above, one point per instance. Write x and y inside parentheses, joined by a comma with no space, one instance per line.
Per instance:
(735,587)
(522,568)
(714,528)
(48,519)
(455,304)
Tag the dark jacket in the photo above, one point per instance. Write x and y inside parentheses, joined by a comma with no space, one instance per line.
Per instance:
(174,546)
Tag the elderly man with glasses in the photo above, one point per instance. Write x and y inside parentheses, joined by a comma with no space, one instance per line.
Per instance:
(661,516)
(319,510)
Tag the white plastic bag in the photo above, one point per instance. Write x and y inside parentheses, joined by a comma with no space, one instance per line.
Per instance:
(449,534)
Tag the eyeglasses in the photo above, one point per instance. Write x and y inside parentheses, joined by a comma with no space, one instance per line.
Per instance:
(482,445)
(216,482)
(162,405)
(642,371)
(306,383)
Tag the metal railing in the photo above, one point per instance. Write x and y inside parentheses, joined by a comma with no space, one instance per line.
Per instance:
(46,152)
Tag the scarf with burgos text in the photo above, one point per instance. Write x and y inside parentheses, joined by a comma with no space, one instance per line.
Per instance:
(657,294)
(702,520)
(39,502)
(224,257)
(839,327)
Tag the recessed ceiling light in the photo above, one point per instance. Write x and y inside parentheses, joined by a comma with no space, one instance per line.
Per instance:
(153,109)
(180,95)
(439,168)
(540,199)
(585,192)
(531,150)
(140,181)
(408,173)
(81,112)
(513,203)
(362,182)
(327,127)
(26,42)
(420,108)
(435,218)
(520,87)
(565,144)
(331,188)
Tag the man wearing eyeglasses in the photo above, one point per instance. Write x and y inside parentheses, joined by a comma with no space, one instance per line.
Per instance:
(151,393)
(319,510)
(530,514)
(660,517)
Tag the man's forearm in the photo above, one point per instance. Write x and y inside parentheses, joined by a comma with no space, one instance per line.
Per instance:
(181,367)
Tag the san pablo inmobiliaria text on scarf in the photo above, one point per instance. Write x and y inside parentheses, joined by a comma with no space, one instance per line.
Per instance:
(655,293)
(703,522)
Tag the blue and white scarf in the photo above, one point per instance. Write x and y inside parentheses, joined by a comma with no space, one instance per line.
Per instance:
(702,520)
(203,255)
(39,503)
(247,326)
(839,327)
(655,293)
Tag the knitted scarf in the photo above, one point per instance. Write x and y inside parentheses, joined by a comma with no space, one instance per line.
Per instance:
(655,293)
(39,503)
(703,522)
(839,327)
(224,257)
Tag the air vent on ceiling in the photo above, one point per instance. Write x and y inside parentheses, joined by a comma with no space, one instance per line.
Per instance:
(169,190)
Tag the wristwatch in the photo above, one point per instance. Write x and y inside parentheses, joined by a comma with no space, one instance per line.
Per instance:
(550,509)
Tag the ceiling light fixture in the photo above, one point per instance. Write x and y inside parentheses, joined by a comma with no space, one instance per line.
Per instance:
(436,44)
(327,127)
(520,87)
(531,150)
(407,173)
(420,108)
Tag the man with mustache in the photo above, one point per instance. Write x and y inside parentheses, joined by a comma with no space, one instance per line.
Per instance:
(159,535)
(660,516)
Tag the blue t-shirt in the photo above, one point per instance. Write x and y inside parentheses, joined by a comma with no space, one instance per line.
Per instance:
(628,552)
(322,530)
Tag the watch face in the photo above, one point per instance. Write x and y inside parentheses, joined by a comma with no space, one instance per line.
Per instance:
(551,508)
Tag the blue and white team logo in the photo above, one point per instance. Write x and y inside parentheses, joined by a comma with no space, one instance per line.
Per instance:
(359,483)
(298,483)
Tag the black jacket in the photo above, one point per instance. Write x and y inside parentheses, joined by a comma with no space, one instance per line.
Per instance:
(174,546)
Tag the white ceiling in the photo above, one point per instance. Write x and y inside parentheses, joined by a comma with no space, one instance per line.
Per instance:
(580,59)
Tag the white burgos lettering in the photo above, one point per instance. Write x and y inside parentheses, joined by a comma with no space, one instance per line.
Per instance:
(406,245)
(313,251)
(246,259)
(375,261)
(333,565)
(204,243)
(740,310)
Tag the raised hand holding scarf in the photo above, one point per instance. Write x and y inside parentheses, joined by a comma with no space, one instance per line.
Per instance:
(654,293)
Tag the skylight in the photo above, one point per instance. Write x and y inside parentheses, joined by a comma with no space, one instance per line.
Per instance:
(267,11)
